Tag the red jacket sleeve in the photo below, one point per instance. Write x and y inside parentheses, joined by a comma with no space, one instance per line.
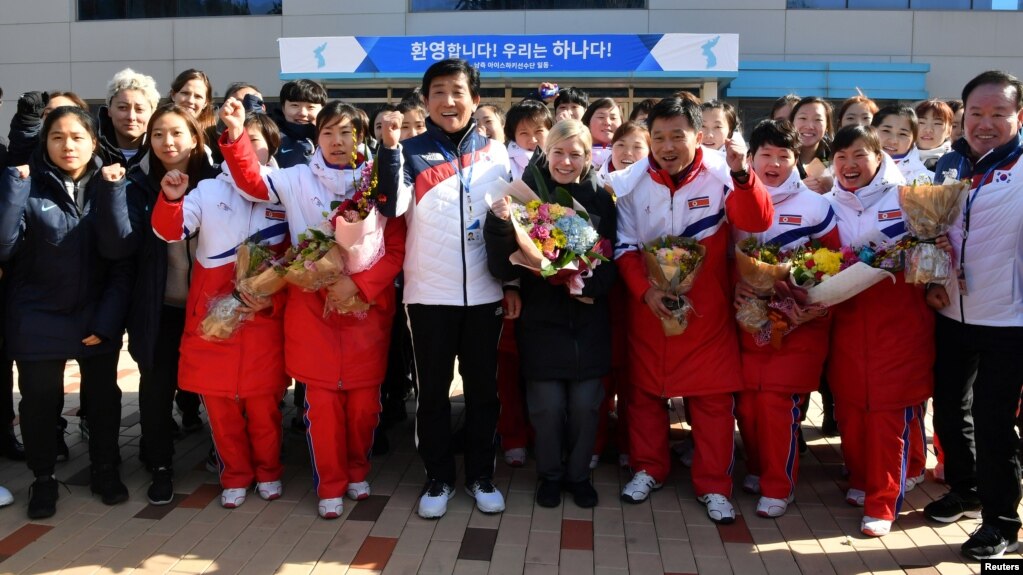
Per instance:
(244,165)
(168,218)
(377,278)
(748,206)
(632,268)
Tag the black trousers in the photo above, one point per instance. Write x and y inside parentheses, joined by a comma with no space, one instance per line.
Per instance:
(439,335)
(42,398)
(157,384)
(978,376)
(399,366)
(565,415)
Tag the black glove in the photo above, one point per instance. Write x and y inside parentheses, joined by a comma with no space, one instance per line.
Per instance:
(252,104)
(31,104)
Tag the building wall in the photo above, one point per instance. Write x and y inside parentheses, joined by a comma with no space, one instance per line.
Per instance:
(42,47)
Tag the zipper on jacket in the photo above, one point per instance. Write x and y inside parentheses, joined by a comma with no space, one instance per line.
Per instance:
(461,218)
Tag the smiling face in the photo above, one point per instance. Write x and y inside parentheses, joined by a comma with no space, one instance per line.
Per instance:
(715,128)
(856,165)
(130,112)
(70,146)
(896,134)
(569,111)
(856,114)
(933,131)
(450,103)
(412,124)
(811,122)
(674,142)
(301,112)
(628,150)
(603,124)
(991,117)
(773,164)
(172,141)
(489,124)
(567,160)
(337,141)
(192,97)
(529,135)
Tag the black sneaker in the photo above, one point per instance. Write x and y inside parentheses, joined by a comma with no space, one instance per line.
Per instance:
(42,498)
(10,447)
(161,490)
(190,422)
(583,493)
(106,482)
(548,493)
(987,542)
(953,506)
(829,427)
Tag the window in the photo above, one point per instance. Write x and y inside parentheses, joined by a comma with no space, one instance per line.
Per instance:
(452,5)
(907,4)
(122,9)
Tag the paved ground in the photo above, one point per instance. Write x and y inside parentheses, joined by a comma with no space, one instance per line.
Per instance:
(668,534)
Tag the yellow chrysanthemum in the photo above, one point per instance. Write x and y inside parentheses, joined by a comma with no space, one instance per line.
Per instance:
(560,239)
(827,261)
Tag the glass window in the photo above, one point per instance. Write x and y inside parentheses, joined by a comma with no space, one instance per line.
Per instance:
(121,9)
(451,5)
(903,4)
(878,4)
(940,4)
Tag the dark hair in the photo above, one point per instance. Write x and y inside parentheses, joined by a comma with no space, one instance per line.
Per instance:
(383,108)
(452,67)
(675,107)
(631,127)
(409,106)
(266,126)
(532,110)
(904,111)
(848,135)
(728,109)
(598,104)
(79,102)
(778,133)
(829,128)
(955,105)
(413,96)
(207,119)
(997,77)
(498,111)
(336,110)
(195,159)
(940,109)
(857,99)
(572,95)
(789,100)
(82,115)
(303,91)
(235,87)
(642,107)
(688,96)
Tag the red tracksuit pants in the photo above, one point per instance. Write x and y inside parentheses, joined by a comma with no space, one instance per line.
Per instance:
(339,428)
(769,424)
(713,420)
(247,437)
(875,448)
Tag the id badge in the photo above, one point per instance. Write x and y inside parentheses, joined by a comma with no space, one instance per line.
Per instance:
(961,280)
(474,233)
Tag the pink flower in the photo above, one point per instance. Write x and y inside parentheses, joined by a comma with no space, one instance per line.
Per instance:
(544,212)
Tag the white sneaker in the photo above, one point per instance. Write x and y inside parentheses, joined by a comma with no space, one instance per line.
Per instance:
(332,508)
(270,490)
(5,497)
(639,488)
(751,484)
(515,457)
(434,501)
(771,507)
(594,461)
(358,491)
(623,460)
(855,497)
(719,508)
(912,482)
(488,498)
(231,498)
(875,527)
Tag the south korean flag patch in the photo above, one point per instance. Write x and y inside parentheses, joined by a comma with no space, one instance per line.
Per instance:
(1001,177)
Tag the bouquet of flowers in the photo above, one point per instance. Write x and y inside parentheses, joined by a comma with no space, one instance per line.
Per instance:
(672,263)
(760,268)
(831,277)
(256,276)
(315,262)
(929,211)
(358,228)
(557,239)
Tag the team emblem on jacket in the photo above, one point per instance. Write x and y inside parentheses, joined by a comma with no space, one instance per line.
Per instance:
(886,215)
(700,202)
(1002,177)
(790,219)
(224,207)
(278,215)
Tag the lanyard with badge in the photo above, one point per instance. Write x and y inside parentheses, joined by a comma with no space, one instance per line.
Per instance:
(473,229)
(961,276)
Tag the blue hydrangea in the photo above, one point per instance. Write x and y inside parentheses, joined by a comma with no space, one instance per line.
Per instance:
(580,234)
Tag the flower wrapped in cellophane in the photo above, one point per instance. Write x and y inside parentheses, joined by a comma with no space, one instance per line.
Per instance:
(314,263)
(833,276)
(929,211)
(760,268)
(257,276)
(672,264)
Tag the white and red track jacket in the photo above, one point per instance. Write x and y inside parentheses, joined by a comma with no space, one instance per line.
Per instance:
(251,362)
(913,168)
(882,340)
(704,359)
(800,216)
(519,158)
(337,351)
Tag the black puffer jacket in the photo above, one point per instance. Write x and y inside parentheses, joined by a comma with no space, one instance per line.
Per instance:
(298,141)
(60,290)
(560,337)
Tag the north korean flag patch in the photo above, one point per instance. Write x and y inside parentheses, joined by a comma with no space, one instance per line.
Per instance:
(889,215)
(278,215)
(701,202)
(790,220)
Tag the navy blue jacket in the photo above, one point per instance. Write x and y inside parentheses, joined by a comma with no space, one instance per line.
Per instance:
(60,288)
(298,141)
